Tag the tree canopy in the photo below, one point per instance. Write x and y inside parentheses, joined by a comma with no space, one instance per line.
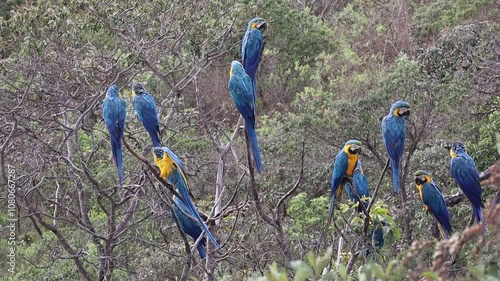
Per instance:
(329,72)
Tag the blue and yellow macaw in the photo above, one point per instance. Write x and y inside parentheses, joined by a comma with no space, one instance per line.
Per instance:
(377,234)
(240,87)
(361,186)
(189,224)
(171,169)
(252,47)
(113,111)
(464,171)
(434,202)
(343,166)
(394,134)
(145,106)
(363,192)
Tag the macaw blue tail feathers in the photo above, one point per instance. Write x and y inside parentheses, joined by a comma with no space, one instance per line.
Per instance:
(478,214)
(185,198)
(254,86)
(332,207)
(201,249)
(444,233)
(155,137)
(254,145)
(395,176)
(116,147)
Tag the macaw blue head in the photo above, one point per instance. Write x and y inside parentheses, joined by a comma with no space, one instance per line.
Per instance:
(112,91)
(258,23)
(456,148)
(236,68)
(352,147)
(422,177)
(158,152)
(139,88)
(400,109)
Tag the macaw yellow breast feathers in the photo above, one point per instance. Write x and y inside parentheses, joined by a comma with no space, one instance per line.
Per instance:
(166,165)
(452,153)
(254,25)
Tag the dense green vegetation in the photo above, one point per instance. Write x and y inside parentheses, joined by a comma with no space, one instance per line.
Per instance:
(330,71)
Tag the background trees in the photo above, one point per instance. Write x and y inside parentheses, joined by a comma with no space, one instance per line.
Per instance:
(329,72)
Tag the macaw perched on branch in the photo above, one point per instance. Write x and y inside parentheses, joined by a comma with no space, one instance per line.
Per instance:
(240,87)
(145,106)
(189,224)
(251,49)
(343,166)
(394,134)
(113,111)
(361,187)
(434,202)
(464,171)
(171,169)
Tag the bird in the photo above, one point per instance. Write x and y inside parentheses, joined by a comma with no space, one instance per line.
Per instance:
(252,47)
(240,87)
(361,187)
(145,107)
(362,194)
(463,170)
(172,170)
(377,236)
(394,134)
(343,166)
(189,224)
(433,201)
(113,112)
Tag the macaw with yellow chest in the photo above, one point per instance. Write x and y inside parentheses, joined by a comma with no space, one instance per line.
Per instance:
(252,47)
(114,111)
(361,187)
(463,170)
(433,201)
(145,107)
(343,166)
(172,170)
(394,134)
(361,194)
(240,87)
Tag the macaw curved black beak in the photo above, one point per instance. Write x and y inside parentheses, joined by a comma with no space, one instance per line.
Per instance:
(261,25)
(419,180)
(355,149)
(404,112)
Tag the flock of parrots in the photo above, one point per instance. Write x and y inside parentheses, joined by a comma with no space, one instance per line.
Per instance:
(347,169)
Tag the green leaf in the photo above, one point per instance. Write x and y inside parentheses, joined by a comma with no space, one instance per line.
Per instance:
(477,271)
(430,274)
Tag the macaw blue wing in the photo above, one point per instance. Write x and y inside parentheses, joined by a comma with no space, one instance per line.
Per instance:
(434,201)
(178,179)
(361,186)
(394,134)
(114,111)
(189,224)
(177,160)
(147,112)
(338,175)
